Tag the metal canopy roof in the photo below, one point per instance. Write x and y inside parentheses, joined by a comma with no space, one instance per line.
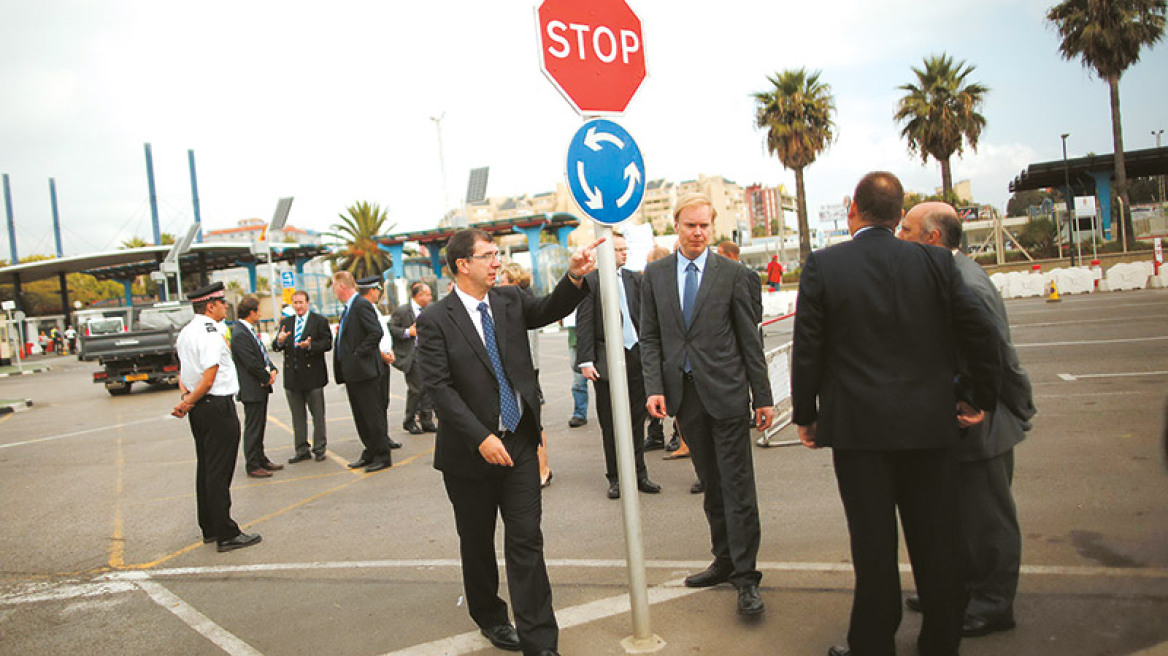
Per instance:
(500,227)
(1045,175)
(133,262)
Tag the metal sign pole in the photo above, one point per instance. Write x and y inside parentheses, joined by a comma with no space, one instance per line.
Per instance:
(623,428)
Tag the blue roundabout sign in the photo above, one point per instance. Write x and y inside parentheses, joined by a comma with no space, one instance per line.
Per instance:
(605,171)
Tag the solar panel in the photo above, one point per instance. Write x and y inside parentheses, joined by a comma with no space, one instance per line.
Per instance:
(476,187)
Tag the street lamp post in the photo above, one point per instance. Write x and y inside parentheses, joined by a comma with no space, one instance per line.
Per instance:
(1160,186)
(1069,202)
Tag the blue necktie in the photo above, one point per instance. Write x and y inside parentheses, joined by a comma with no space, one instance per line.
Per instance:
(630,332)
(341,325)
(296,337)
(690,295)
(508,408)
(263,350)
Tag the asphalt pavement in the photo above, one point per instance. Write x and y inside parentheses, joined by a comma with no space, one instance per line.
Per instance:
(100,552)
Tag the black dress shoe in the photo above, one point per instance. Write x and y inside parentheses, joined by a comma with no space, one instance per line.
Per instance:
(673,444)
(378,465)
(238,542)
(647,486)
(320,457)
(973,627)
(393,444)
(503,636)
(271,466)
(653,445)
(839,651)
(360,462)
(749,600)
(209,540)
(299,457)
(613,490)
(712,575)
(548,652)
(697,488)
(429,427)
(576,422)
(412,428)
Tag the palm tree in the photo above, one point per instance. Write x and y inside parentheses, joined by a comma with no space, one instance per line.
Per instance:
(940,114)
(1107,35)
(134,242)
(797,114)
(360,254)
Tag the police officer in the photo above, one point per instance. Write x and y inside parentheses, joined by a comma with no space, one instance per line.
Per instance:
(208,382)
(370,290)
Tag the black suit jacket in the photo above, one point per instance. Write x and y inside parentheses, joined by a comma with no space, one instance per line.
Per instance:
(458,374)
(304,369)
(403,347)
(357,356)
(722,341)
(250,367)
(590,342)
(878,325)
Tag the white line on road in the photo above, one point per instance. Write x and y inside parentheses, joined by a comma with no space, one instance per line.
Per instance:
(83,432)
(1115,320)
(1088,342)
(221,637)
(1070,378)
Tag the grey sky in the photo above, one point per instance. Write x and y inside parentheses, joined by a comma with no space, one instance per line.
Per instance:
(331,103)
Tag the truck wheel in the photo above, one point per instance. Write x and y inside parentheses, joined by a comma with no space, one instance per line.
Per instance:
(119,391)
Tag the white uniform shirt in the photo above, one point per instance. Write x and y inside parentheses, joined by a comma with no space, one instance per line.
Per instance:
(202,344)
(386,343)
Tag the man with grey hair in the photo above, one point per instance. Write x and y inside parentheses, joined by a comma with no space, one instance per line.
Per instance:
(987,515)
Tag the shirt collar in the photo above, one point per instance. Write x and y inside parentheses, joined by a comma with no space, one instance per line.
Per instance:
(869,227)
(700,261)
(472,303)
(415,307)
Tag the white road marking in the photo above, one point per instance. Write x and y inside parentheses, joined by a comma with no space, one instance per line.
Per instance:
(38,592)
(1045,324)
(1089,342)
(221,637)
(1070,378)
(1067,377)
(87,431)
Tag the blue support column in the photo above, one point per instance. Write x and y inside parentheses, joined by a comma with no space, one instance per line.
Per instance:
(397,252)
(195,197)
(300,262)
(153,196)
(11,222)
(56,218)
(532,235)
(251,276)
(129,285)
(1103,195)
(436,260)
(562,234)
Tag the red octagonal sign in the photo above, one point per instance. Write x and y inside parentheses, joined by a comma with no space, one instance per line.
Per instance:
(593,52)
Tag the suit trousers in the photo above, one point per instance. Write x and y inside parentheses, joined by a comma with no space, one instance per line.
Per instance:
(513,493)
(990,535)
(255,421)
(637,411)
(721,453)
(367,401)
(418,404)
(313,401)
(921,485)
(215,427)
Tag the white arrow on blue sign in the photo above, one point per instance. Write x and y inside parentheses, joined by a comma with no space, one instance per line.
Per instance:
(287,280)
(605,171)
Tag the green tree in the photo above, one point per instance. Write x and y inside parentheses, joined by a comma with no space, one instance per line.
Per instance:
(359,253)
(940,113)
(797,114)
(1107,36)
(133,242)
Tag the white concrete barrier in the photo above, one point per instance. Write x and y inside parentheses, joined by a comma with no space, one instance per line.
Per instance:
(1129,275)
(1073,280)
(1019,284)
(776,304)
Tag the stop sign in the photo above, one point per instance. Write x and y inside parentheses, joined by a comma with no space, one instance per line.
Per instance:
(592,51)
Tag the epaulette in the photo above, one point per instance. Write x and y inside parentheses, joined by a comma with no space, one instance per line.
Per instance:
(211,328)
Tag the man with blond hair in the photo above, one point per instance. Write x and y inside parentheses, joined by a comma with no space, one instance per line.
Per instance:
(703,363)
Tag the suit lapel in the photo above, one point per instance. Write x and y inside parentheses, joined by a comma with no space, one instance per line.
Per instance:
(499,305)
(670,271)
(714,268)
(462,320)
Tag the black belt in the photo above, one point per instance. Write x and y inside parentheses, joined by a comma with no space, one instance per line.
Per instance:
(207,398)
(687,375)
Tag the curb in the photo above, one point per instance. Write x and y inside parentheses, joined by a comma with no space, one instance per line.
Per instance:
(7,407)
(26,372)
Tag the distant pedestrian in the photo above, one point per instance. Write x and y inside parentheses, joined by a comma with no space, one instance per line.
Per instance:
(208,383)
(403,326)
(71,338)
(579,383)
(775,274)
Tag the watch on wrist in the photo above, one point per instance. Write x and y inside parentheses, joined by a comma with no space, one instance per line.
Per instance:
(575,277)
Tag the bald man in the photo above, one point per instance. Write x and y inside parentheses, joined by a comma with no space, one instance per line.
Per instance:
(988,518)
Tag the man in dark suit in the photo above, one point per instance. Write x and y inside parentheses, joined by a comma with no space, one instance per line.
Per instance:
(476,362)
(404,329)
(370,289)
(592,361)
(703,363)
(304,338)
(358,365)
(878,325)
(985,455)
(256,374)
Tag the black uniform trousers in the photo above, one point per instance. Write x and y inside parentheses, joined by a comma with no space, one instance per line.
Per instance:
(922,486)
(255,422)
(637,411)
(215,427)
(367,399)
(418,404)
(513,493)
(990,535)
(721,453)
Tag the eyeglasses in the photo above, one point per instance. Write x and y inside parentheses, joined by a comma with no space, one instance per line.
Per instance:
(620,250)
(486,257)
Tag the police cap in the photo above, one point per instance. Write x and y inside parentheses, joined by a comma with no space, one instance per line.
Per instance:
(212,291)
